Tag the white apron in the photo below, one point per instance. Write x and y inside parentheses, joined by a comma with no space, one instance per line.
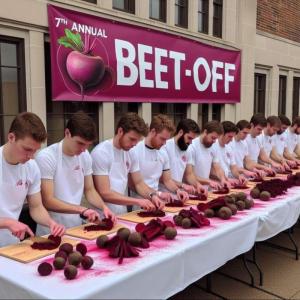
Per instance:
(68,187)
(12,198)
(151,172)
(178,161)
(118,177)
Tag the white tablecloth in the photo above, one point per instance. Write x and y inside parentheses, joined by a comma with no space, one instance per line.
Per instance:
(161,271)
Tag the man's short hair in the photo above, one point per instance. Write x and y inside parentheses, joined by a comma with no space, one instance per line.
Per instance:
(161,122)
(296,121)
(28,124)
(132,121)
(242,124)
(82,125)
(285,120)
(213,126)
(258,119)
(187,125)
(228,126)
(274,121)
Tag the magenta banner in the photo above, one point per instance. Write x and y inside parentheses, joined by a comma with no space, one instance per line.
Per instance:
(96,59)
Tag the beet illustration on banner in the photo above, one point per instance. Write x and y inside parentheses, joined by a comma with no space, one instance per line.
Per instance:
(84,71)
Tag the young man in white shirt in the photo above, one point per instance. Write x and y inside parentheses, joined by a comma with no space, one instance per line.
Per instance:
(266,140)
(113,162)
(292,139)
(280,151)
(240,151)
(258,123)
(203,158)
(66,170)
(154,163)
(176,149)
(20,179)
(226,156)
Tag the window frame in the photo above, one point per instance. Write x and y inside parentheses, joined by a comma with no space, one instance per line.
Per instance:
(217,20)
(178,5)
(21,77)
(129,6)
(162,11)
(204,14)
(258,89)
(296,96)
(282,90)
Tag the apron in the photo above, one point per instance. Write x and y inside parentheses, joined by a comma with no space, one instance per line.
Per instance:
(118,177)
(153,169)
(68,187)
(12,198)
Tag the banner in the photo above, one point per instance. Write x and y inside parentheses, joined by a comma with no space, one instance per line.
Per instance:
(97,59)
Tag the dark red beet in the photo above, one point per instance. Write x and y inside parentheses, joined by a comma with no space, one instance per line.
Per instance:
(106,224)
(156,213)
(197,196)
(70,272)
(45,269)
(197,219)
(62,254)
(224,190)
(81,248)
(66,247)
(241,186)
(52,244)
(87,262)
(175,203)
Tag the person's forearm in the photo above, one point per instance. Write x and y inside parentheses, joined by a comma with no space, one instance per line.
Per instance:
(143,189)
(117,198)
(39,214)
(288,155)
(93,198)
(276,157)
(4,222)
(171,185)
(59,206)
(235,171)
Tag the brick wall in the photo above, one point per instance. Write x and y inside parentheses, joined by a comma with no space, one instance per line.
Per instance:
(279,17)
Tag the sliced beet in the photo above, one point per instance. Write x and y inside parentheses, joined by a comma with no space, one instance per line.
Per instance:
(105,224)
(156,213)
(175,203)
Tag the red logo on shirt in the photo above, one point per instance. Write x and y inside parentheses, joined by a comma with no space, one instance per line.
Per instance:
(77,168)
(127,164)
(183,158)
(228,154)
(19,182)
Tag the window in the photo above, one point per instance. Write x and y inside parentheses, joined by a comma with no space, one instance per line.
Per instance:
(58,113)
(203,16)
(296,96)
(175,111)
(202,115)
(259,93)
(125,5)
(282,95)
(217,19)
(158,10)
(181,13)
(12,82)
(122,108)
(216,112)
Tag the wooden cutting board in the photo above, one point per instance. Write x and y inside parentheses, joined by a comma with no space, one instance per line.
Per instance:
(133,217)
(175,209)
(79,232)
(23,253)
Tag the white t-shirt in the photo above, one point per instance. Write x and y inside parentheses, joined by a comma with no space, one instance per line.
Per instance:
(291,140)
(12,175)
(178,159)
(105,154)
(226,157)
(152,163)
(239,149)
(47,161)
(254,147)
(267,142)
(280,143)
(201,158)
